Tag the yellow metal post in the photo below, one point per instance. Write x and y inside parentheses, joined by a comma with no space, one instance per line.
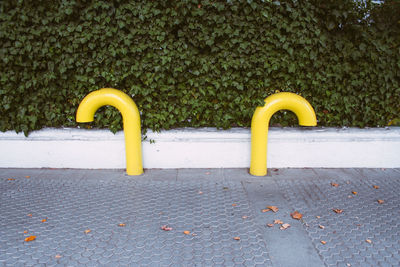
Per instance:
(131,122)
(260,121)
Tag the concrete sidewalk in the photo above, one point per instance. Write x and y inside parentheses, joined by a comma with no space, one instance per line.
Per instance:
(214,216)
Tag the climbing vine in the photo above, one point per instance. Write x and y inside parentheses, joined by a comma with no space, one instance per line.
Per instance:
(199,63)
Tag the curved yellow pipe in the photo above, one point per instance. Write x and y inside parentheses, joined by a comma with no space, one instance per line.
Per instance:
(131,122)
(260,121)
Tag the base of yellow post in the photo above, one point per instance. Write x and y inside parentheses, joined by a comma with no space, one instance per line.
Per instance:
(135,172)
(258,172)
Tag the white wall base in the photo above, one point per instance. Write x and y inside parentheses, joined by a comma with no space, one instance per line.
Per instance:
(204,148)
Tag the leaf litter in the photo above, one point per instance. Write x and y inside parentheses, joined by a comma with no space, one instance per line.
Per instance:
(166,228)
(296,215)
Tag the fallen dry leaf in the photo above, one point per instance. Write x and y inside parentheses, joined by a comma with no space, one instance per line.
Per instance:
(334,184)
(296,215)
(323,242)
(44,220)
(321,226)
(368,241)
(87,231)
(270,225)
(121,224)
(337,210)
(30,238)
(27,176)
(26,231)
(284,226)
(166,228)
(265,210)
(10,179)
(375,186)
(236,238)
(318,217)
(273,208)
(380,201)
(234,205)
(278,222)
(186,232)
(58,256)
(30,214)
(354,192)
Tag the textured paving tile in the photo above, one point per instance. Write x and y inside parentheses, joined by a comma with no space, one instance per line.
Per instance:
(363,218)
(72,203)
(209,203)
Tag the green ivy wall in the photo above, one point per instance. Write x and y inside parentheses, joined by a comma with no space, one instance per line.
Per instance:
(198,63)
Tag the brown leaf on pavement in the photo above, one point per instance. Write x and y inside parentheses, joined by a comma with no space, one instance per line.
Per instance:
(284,226)
(323,242)
(186,232)
(27,176)
(234,205)
(10,179)
(166,228)
(375,186)
(321,226)
(273,208)
(26,231)
(337,210)
(354,192)
(58,256)
(265,210)
(270,225)
(368,241)
(87,231)
(236,238)
(380,201)
(278,222)
(334,184)
(121,224)
(30,238)
(44,220)
(296,215)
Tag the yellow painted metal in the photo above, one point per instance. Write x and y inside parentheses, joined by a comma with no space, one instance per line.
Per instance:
(131,122)
(260,121)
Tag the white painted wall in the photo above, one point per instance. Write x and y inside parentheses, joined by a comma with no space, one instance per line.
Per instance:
(204,148)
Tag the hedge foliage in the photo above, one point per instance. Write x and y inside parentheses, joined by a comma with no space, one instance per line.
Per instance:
(195,63)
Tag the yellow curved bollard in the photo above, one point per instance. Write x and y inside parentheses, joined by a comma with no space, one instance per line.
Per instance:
(260,121)
(131,122)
